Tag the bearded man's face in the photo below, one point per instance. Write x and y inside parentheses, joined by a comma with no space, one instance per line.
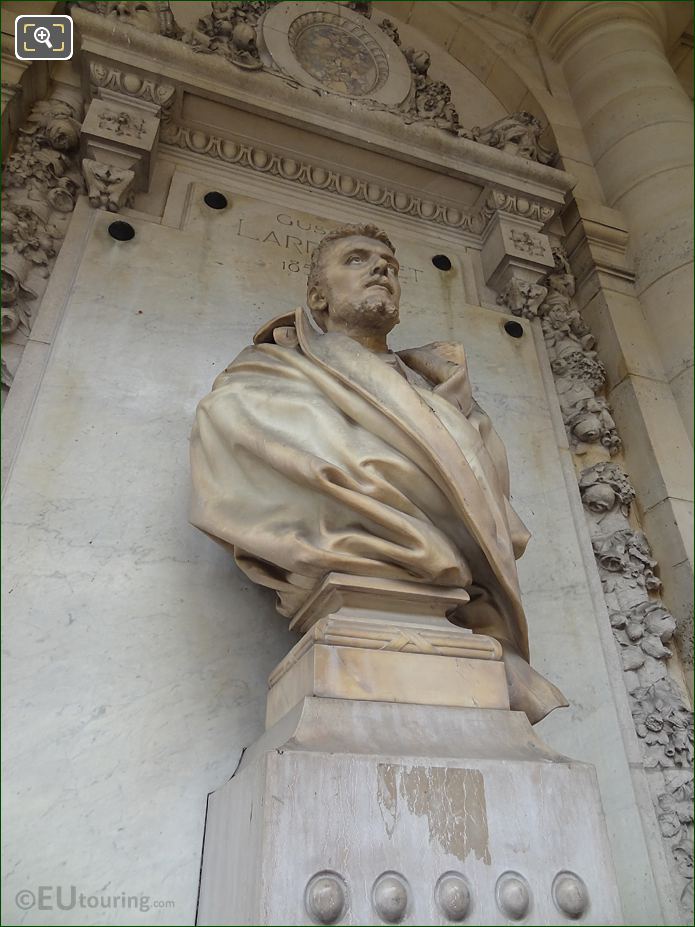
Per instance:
(359,291)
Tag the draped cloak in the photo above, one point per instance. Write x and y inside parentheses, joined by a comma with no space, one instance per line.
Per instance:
(313,454)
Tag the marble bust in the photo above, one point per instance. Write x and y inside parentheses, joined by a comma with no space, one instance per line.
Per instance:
(321,450)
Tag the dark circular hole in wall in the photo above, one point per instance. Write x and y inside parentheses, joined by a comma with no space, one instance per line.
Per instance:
(121,231)
(514,329)
(441,262)
(215,200)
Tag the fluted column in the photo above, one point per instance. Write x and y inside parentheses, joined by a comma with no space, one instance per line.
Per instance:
(638,124)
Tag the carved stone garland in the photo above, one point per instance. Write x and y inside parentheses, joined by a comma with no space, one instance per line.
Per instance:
(579,374)
(41,183)
(642,626)
(230,30)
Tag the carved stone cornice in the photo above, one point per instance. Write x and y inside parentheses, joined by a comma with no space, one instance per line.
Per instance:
(317,177)
(262,36)
(105,77)
(403,202)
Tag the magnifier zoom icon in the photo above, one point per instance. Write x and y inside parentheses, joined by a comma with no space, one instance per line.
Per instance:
(42,35)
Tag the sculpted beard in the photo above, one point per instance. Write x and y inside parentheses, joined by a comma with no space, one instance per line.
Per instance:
(374,313)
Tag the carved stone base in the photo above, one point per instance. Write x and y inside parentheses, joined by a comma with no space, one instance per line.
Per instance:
(405,660)
(344,591)
(358,812)
(386,641)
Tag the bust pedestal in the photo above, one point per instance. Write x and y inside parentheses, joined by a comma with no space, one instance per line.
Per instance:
(386,641)
(395,785)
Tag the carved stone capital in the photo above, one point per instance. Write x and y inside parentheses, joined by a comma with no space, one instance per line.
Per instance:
(107,187)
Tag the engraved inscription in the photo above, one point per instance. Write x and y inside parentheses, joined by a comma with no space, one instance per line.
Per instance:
(296,239)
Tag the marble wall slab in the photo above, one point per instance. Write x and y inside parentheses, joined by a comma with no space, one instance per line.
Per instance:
(137,654)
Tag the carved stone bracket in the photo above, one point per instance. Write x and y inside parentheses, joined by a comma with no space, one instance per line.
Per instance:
(123,135)
(120,134)
(515,254)
(107,187)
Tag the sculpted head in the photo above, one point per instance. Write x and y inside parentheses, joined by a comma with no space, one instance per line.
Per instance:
(353,282)
(147,15)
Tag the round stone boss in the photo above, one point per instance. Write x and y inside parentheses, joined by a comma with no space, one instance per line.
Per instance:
(326,897)
(453,896)
(330,47)
(570,894)
(513,895)
(390,896)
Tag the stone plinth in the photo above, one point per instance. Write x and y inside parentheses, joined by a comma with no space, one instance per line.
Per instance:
(393,783)
(387,641)
(358,812)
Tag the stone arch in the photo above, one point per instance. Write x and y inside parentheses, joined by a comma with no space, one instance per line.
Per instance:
(485,48)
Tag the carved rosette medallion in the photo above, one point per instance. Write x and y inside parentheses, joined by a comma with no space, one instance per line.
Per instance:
(331,48)
(337,56)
